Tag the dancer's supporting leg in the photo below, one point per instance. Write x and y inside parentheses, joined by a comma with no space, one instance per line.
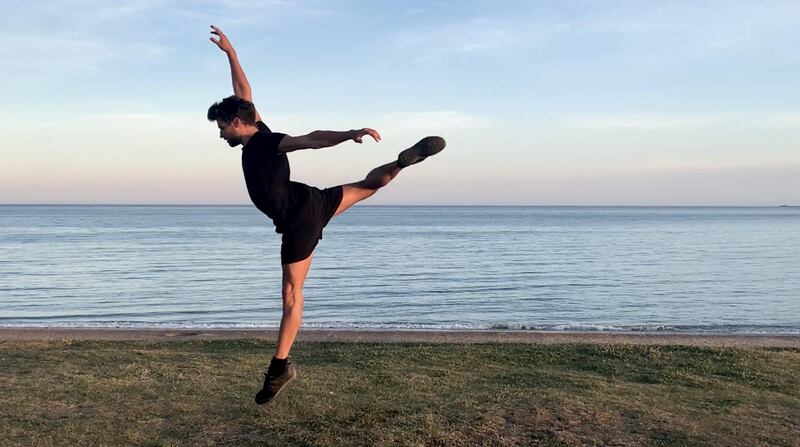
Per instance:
(281,371)
(294,275)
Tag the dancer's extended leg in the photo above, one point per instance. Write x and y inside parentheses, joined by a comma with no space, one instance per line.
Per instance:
(379,177)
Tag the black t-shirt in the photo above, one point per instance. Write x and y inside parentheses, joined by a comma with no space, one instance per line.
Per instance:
(266,174)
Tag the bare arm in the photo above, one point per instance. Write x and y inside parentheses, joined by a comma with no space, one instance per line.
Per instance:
(325,138)
(241,87)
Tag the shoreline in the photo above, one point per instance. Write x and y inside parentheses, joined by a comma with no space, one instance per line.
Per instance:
(403,336)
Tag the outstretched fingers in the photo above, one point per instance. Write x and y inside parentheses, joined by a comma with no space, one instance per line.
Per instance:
(222,42)
(374,134)
(367,131)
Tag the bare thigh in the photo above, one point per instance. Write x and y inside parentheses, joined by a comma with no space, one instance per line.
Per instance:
(294,274)
(353,193)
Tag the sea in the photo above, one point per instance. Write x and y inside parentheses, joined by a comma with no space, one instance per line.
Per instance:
(611,269)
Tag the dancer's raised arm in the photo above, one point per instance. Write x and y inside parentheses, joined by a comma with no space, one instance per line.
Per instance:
(241,87)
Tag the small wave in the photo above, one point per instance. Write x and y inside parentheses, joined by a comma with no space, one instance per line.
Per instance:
(652,328)
(357,325)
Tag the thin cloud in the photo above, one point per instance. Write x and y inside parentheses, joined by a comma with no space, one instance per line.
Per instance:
(647,35)
(56,55)
(445,120)
(711,28)
(238,12)
(78,15)
(65,38)
(665,121)
(470,37)
(52,52)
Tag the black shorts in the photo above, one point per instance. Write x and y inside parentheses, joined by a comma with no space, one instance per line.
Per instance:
(304,230)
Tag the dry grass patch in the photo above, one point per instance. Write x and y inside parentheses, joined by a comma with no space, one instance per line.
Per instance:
(200,393)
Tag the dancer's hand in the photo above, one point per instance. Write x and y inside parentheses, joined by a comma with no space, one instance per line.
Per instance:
(366,131)
(223,43)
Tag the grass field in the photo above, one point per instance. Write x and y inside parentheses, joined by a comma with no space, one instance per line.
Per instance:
(374,394)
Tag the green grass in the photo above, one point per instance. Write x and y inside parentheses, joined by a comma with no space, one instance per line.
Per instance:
(349,394)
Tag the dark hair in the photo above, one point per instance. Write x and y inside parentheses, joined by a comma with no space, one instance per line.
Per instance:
(233,107)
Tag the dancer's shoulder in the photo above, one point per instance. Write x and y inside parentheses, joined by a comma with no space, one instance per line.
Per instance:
(262,126)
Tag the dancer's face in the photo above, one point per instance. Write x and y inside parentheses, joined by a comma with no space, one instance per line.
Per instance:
(228,132)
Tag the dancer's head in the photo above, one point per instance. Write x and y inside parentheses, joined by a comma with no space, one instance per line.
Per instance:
(235,118)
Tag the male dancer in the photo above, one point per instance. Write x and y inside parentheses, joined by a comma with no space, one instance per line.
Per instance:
(299,211)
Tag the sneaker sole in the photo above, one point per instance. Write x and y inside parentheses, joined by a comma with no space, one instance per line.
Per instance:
(280,390)
(283,387)
(423,149)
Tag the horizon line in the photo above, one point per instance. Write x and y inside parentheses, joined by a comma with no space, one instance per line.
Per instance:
(236,205)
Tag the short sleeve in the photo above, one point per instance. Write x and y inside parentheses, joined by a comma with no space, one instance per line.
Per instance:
(269,141)
(262,127)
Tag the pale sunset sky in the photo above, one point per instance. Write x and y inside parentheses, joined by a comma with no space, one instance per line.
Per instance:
(542,102)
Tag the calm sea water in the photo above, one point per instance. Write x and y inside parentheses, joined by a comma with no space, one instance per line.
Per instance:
(541,268)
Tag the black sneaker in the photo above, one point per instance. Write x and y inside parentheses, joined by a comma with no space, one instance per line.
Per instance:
(423,149)
(273,385)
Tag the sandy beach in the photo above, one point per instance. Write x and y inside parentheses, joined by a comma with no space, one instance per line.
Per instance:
(400,336)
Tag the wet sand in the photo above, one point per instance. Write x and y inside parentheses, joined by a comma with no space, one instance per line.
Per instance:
(400,336)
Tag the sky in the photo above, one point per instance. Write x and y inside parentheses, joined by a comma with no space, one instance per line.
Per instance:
(542,102)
